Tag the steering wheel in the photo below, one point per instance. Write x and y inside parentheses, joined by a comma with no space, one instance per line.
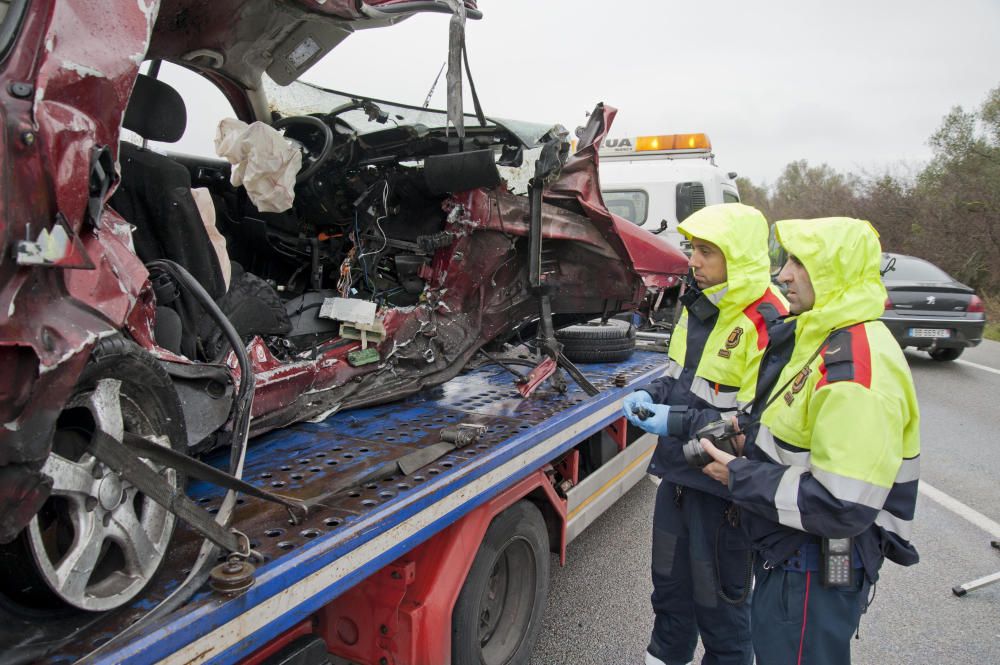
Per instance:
(306,129)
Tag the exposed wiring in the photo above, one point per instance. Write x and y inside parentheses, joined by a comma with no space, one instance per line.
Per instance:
(344,282)
(381,231)
(378,222)
(357,244)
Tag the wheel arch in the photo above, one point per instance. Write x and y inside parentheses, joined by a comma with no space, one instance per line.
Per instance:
(432,575)
(134,391)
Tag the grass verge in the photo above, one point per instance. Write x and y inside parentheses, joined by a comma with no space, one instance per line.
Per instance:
(992,331)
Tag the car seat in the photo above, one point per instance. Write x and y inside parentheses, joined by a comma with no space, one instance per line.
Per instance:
(155,196)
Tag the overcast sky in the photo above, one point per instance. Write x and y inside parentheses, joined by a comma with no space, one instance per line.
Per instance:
(858,85)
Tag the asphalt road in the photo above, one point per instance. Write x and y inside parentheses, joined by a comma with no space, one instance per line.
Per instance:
(598,611)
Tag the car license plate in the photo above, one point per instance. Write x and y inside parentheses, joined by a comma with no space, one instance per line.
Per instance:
(930,332)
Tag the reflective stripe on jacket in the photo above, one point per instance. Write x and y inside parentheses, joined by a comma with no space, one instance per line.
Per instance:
(837,451)
(712,365)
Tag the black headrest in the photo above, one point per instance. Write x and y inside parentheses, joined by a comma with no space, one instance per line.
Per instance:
(155,111)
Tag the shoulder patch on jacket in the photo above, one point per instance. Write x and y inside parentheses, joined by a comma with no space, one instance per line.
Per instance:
(731,342)
(764,312)
(847,357)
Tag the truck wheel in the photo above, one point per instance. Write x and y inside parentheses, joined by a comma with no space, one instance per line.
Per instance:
(944,355)
(98,541)
(499,610)
(595,342)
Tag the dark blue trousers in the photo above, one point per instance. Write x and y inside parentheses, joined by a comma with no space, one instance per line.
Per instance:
(797,621)
(685,583)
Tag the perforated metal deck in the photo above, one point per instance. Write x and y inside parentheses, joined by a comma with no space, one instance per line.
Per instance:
(366,526)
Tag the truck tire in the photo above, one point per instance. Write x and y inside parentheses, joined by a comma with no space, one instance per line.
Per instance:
(94,516)
(595,342)
(499,611)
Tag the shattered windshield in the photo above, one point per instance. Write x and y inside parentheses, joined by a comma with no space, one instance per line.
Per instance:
(300,98)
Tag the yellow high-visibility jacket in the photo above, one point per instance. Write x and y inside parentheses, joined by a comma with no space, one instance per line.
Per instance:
(837,451)
(712,364)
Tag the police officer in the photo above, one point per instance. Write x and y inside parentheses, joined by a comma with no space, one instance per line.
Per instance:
(829,482)
(700,561)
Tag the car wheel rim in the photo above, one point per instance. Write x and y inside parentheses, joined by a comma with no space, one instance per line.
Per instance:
(507,603)
(98,541)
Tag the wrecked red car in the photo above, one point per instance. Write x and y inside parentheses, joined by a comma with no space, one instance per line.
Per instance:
(146,298)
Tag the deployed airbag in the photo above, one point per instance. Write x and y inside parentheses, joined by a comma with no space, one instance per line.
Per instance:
(263,160)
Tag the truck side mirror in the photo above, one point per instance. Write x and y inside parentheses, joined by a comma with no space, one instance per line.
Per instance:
(690,198)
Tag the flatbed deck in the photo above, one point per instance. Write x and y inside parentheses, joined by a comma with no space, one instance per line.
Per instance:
(368,525)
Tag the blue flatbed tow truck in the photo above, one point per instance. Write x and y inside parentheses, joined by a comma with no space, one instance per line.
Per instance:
(395,565)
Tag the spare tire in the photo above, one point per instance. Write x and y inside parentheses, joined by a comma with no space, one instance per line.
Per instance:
(596,342)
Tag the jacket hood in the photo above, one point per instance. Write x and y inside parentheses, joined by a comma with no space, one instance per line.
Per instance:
(843,257)
(740,231)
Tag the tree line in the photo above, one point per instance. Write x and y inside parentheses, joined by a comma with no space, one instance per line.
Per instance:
(947,211)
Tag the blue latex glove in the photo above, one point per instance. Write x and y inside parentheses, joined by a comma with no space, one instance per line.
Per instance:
(638,398)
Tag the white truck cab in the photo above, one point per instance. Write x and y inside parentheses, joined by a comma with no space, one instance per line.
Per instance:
(657,181)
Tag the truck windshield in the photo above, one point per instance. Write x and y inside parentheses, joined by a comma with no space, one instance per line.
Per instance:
(632,204)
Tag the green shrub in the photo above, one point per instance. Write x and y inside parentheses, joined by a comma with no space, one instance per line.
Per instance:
(992,302)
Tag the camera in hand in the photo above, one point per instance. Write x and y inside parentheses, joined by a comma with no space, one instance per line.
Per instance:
(721,433)
(642,413)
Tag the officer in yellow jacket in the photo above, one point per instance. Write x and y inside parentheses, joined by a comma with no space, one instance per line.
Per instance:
(700,561)
(828,486)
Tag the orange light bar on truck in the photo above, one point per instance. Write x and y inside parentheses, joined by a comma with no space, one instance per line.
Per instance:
(673,142)
(644,143)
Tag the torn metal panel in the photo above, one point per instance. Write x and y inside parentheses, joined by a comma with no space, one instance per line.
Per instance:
(25,490)
(658,261)
(58,248)
(240,39)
